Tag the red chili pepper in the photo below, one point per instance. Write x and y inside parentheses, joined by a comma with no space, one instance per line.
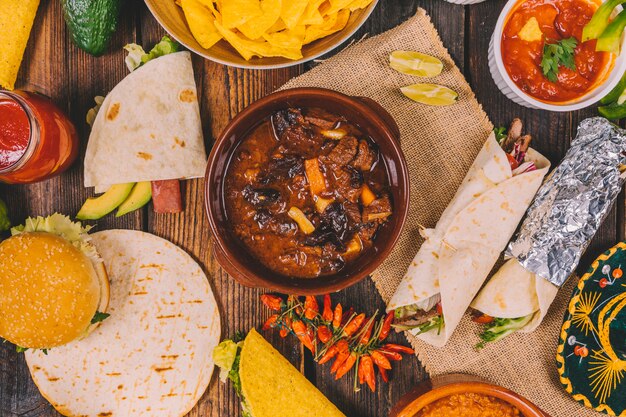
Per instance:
(337,316)
(360,373)
(324,334)
(367,334)
(327,314)
(383,373)
(346,316)
(346,366)
(393,356)
(439,308)
(311,307)
(354,325)
(330,353)
(512,161)
(384,331)
(284,330)
(292,299)
(271,322)
(398,348)
(368,371)
(380,360)
(482,319)
(301,332)
(342,355)
(273,302)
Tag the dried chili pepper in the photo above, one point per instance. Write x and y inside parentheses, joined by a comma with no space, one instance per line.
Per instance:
(364,340)
(354,325)
(398,348)
(380,360)
(311,307)
(347,316)
(324,333)
(284,331)
(300,330)
(383,373)
(346,365)
(368,372)
(342,355)
(393,356)
(337,316)
(271,322)
(360,373)
(327,313)
(273,302)
(384,332)
(330,353)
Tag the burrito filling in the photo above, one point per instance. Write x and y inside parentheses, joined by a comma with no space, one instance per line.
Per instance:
(227,356)
(496,328)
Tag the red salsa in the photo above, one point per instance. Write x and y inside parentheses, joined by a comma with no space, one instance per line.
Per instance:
(557,20)
(37,140)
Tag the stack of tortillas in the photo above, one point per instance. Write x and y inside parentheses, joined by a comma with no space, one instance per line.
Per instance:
(153,355)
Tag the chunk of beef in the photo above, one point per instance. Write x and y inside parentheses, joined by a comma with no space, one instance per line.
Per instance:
(302,140)
(376,211)
(280,225)
(420,317)
(343,152)
(353,212)
(283,119)
(367,231)
(260,197)
(365,157)
(344,183)
(322,119)
(287,166)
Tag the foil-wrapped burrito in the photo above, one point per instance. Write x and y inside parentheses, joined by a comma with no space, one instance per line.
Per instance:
(559,225)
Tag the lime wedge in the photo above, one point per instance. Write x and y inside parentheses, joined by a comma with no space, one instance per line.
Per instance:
(415,63)
(431,94)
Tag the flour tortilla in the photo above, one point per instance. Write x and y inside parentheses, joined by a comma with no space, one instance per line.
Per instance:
(461,250)
(152,356)
(515,292)
(272,387)
(148,127)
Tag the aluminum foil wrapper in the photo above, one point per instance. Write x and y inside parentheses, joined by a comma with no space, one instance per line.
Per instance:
(570,206)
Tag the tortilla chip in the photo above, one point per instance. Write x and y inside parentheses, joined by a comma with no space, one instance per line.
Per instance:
(249,49)
(200,21)
(278,26)
(337,5)
(255,28)
(332,23)
(291,12)
(359,4)
(16,21)
(312,15)
(238,12)
(210,4)
(290,39)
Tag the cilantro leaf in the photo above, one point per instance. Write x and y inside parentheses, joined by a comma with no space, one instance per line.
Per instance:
(98,317)
(500,133)
(556,55)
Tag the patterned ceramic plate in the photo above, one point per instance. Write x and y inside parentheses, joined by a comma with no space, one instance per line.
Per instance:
(592,348)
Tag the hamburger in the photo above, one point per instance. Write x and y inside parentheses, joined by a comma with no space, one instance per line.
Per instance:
(53,284)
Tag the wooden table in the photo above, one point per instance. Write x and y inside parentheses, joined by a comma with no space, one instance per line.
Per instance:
(54,66)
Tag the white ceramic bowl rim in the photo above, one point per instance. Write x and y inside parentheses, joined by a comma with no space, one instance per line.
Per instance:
(586,100)
(367,13)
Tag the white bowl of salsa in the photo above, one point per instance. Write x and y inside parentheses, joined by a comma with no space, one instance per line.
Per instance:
(516,51)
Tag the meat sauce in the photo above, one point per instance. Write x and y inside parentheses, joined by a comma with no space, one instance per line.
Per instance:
(306,192)
(558,19)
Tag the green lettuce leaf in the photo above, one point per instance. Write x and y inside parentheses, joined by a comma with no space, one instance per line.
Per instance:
(501,328)
(5,223)
(61,225)
(226,356)
(137,56)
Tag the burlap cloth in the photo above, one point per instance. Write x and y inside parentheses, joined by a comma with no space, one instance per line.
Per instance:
(440,143)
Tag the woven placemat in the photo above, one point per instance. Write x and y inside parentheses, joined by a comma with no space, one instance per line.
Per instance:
(440,143)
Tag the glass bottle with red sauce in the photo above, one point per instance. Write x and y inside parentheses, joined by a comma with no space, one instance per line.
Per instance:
(37,140)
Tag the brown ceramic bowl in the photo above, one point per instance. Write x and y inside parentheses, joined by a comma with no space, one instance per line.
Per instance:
(443,386)
(374,121)
(171,17)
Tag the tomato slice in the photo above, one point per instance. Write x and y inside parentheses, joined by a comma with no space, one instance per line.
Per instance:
(512,161)
(482,319)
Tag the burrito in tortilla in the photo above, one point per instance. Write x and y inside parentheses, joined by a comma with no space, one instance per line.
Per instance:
(146,130)
(461,250)
(267,384)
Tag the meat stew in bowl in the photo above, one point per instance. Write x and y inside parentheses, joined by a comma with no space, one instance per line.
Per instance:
(306,192)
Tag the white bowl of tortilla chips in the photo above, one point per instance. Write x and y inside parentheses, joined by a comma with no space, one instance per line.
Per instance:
(261,34)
